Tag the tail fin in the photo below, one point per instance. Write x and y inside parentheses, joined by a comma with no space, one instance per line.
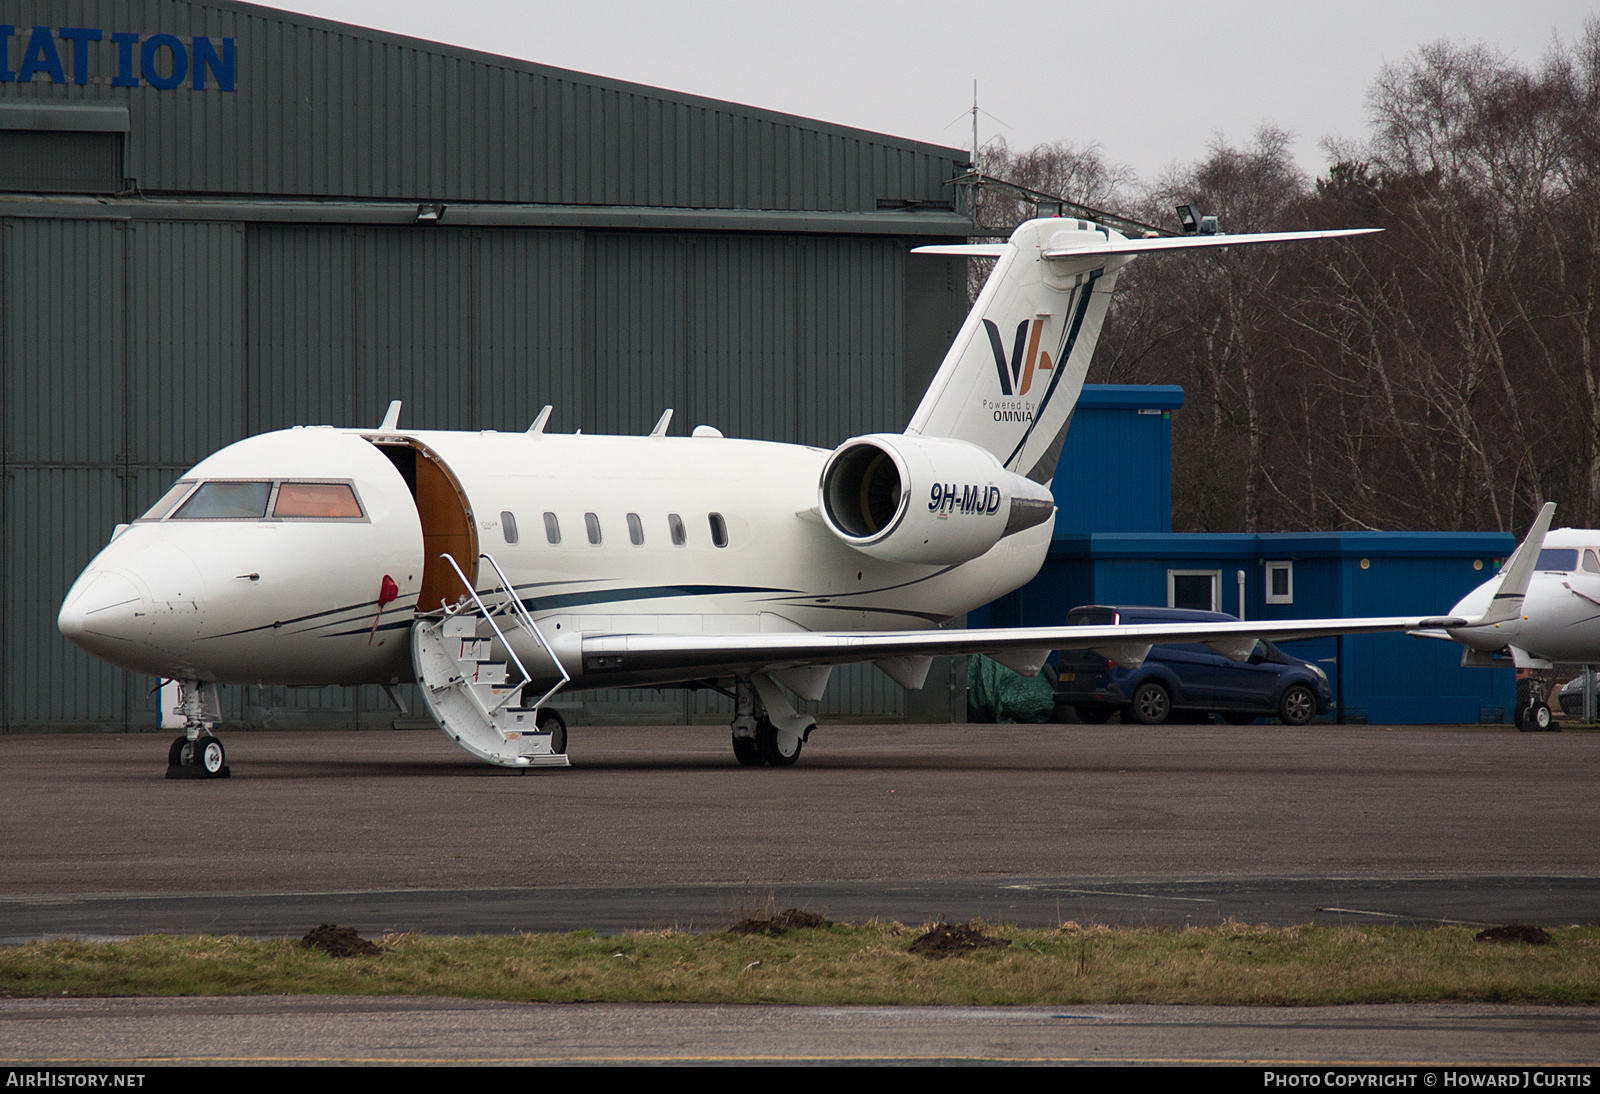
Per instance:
(1012,377)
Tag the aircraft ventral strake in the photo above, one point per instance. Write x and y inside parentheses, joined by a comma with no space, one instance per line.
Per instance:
(498,569)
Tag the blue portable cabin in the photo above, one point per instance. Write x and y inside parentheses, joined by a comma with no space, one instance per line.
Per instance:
(1108,474)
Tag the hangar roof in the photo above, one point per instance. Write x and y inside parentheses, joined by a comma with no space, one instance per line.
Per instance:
(235,100)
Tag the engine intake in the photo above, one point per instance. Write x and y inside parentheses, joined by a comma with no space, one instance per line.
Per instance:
(925,499)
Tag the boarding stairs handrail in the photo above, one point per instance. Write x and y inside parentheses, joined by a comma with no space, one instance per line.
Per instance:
(488,617)
(519,612)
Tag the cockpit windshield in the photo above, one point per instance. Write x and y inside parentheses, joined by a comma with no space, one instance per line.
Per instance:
(234,500)
(226,501)
(1564,559)
(175,493)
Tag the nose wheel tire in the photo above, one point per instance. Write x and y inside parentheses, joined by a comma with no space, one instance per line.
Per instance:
(211,757)
(1151,704)
(202,758)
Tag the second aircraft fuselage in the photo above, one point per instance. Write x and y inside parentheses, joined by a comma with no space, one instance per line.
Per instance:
(1560,617)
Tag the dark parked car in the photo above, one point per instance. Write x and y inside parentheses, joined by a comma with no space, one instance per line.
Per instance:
(1186,682)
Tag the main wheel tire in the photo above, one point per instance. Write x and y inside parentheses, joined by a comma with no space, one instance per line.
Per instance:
(1297,705)
(1520,718)
(1238,717)
(1151,704)
(1542,719)
(773,744)
(210,755)
(551,722)
(1094,714)
(175,753)
(747,750)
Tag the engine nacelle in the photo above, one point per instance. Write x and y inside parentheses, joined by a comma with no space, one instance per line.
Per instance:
(926,500)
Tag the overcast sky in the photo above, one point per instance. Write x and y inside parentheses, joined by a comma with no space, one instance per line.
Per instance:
(1153,81)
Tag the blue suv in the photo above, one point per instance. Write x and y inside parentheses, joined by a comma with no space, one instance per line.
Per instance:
(1185,683)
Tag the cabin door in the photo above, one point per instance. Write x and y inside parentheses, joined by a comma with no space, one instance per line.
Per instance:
(447,523)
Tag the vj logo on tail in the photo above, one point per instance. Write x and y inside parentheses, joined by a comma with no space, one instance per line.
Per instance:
(1016,377)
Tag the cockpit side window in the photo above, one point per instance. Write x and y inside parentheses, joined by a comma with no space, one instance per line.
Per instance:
(172,497)
(1558,558)
(317,500)
(226,501)
(1591,564)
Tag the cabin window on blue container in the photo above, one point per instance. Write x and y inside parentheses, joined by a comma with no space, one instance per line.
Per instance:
(1280,583)
(1193,589)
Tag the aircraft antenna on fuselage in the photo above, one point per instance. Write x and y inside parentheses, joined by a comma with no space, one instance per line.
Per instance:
(661,424)
(391,419)
(539,422)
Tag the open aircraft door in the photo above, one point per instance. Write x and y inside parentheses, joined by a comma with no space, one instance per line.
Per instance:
(447,523)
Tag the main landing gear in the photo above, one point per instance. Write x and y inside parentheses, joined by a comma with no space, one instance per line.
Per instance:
(766,727)
(197,754)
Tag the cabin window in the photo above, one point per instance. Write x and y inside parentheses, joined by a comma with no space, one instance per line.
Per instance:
(226,501)
(719,530)
(635,530)
(552,528)
(592,523)
(508,525)
(173,496)
(1280,583)
(324,500)
(680,535)
(1551,558)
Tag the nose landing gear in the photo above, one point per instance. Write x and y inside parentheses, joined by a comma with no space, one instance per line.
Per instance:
(197,754)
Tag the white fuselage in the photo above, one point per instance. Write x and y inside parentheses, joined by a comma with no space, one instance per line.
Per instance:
(296,601)
(1560,617)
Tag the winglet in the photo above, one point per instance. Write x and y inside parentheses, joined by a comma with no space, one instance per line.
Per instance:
(1518,570)
(538,423)
(391,420)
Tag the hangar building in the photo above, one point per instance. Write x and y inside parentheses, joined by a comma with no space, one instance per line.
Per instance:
(218,219)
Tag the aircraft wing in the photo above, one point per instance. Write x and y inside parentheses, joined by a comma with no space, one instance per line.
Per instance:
(1023,648)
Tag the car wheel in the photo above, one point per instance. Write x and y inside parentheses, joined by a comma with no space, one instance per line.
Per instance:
(1094,714)
(1151,704)
(1297,706)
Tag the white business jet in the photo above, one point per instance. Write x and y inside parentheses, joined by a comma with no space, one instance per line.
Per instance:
(1559,623)
(495,569)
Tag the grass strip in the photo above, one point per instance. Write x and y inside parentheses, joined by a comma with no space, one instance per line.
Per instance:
(848,964)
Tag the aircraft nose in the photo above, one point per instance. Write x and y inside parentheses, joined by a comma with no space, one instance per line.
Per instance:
(103,605)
